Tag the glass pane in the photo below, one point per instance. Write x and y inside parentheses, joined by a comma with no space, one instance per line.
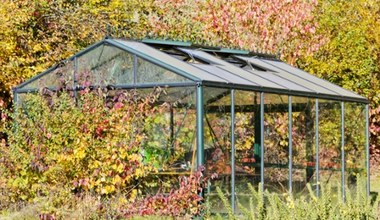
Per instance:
(330,144)
(105,65)
(61,77)
(304,148)
(276,172)
(217,133)
(217,97)
(355,151)
(170,133)
(150,73)
(247,144)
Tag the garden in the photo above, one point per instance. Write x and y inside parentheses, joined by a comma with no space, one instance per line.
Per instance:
(170,128)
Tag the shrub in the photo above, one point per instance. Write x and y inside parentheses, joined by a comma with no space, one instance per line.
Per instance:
(89,145)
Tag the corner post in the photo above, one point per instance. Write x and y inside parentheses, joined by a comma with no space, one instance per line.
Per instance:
(233,150)
(343,160)
(290,143)
(368,185)
(200,127)
(262,140)
(317,146)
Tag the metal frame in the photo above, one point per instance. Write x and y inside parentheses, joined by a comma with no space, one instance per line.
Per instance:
(200,127)
(317,146)
(290,143)
(262,150)
(233,203)
(368,185)
(343,160)
(282,91)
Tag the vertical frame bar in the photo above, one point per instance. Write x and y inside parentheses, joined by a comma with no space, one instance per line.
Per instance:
(343,162)
(171,125)
(262,140)
(233,150)
(200,127)
(368,185)
(290,143)
(135,69)
(317,146)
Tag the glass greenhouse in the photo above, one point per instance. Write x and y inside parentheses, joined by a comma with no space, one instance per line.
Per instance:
(245,117)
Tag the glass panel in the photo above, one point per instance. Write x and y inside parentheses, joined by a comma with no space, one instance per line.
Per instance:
(150,73)
(105,65)
(304,148)
(217,97)
(354,135)
(61,77)
(330,144)
(247,144)
(276,173)
(217,143)
(170,133)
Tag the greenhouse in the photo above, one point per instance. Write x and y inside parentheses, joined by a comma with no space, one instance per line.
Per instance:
(245,117)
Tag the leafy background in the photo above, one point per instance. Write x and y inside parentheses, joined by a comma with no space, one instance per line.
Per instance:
(337,40)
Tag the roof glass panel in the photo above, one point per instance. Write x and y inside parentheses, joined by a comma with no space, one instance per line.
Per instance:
(105,65)
(219,72)
(232,69)
(278,78)
(60,76)
(311,78)
(171,63)
(150,73)
(288,75)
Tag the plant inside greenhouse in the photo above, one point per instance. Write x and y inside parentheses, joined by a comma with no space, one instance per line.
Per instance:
(165,108)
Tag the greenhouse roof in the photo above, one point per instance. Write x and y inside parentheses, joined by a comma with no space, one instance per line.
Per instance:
(119,63)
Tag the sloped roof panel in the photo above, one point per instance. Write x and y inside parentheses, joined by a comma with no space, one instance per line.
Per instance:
(274,77)
(294,78)
(220,72)
(232,69)
(167,61)
(311,78)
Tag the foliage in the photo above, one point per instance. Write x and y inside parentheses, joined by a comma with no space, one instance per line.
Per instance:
(351,55)
(186,200)
(93,146)
(328,206)
(374,129)
(90,145)
(182,202)
(270,26)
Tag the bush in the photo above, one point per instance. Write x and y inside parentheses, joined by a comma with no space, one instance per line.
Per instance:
(85,155)
(90,145)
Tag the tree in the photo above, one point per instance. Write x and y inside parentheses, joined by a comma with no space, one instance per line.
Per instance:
(259,25)
(350,57)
